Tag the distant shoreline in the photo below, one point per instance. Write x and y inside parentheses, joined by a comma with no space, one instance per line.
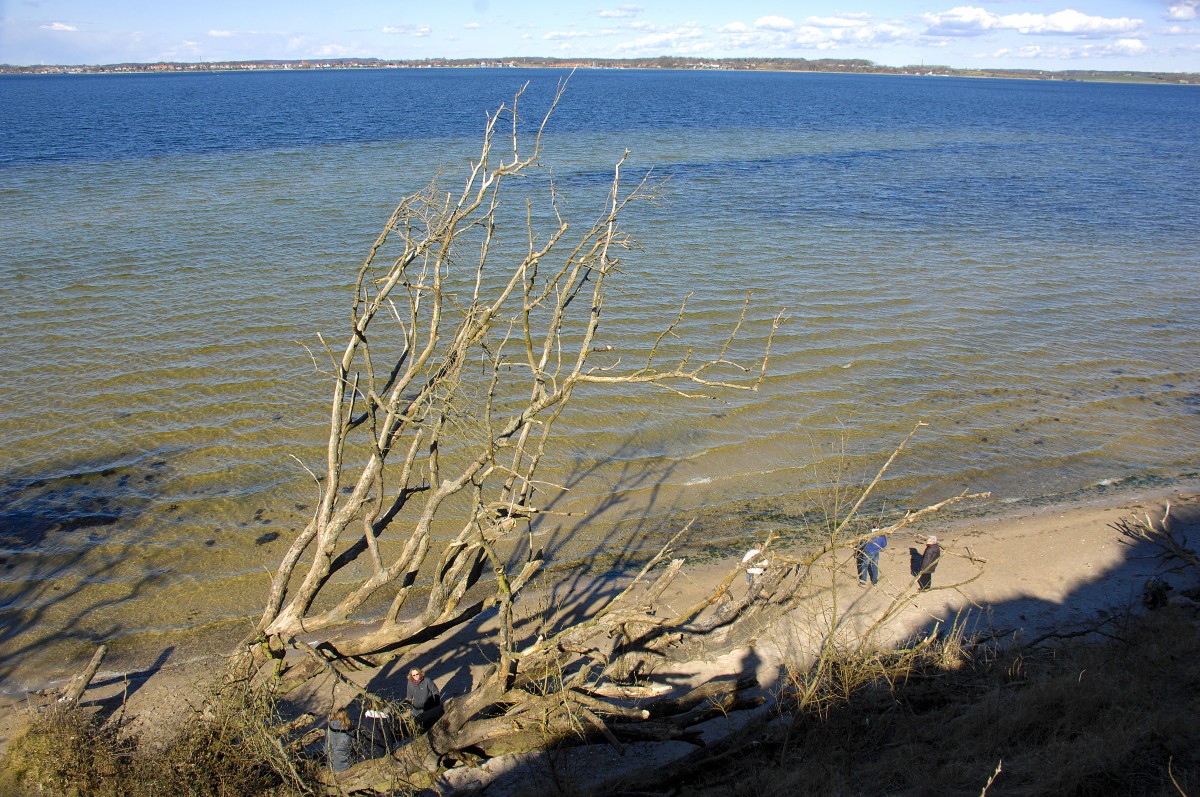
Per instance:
(831,66)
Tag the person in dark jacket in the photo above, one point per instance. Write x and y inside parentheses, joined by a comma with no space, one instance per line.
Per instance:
(422,695)
(339,741)
(867,553)
(377,729)
(929,562)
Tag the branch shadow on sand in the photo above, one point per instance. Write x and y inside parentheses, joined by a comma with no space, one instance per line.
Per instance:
(575,580)
(1110,593)
(60,537)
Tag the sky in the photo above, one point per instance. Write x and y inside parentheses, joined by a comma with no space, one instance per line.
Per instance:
(1112,35)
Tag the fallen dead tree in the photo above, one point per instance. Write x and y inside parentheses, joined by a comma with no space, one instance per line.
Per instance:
(465,349)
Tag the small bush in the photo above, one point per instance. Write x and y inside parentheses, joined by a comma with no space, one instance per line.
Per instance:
(224,748)
(66,751)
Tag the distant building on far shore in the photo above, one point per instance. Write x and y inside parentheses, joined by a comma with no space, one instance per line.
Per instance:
(858,66)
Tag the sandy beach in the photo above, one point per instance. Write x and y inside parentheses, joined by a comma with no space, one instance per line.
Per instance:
(1020,574)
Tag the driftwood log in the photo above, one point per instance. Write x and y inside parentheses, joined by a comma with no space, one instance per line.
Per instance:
(79,684)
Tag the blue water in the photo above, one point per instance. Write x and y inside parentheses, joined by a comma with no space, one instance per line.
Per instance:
(1013,263)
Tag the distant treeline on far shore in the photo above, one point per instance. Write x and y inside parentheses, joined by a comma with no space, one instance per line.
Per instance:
(662,62)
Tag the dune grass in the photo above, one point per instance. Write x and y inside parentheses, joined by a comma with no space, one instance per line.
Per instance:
(226,747)
(1116,717)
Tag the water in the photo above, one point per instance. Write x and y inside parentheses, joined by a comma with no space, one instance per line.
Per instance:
(1013,263)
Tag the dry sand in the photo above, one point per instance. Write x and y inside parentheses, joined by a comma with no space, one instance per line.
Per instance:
(1029,572)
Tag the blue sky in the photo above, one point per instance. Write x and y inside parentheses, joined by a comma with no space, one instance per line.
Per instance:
(1039,34)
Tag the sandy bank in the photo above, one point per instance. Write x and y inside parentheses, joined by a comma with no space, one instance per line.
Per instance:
(1021,574)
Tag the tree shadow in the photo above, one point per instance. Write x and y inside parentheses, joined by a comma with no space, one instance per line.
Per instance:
(60,534)
(565,594)
(119,689)
(1118,588)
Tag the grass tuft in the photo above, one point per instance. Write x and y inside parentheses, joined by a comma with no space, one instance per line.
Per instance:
(224,748)
(1116,717)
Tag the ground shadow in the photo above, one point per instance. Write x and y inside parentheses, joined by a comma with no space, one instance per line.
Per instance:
(59,535)
(561,771)
(914,562)
(121,688)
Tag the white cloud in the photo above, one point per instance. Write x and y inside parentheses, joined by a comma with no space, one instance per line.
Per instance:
(417,31)
(564,35)
(221,34)
(1070,22)
(1125,47)
(472,26)
(1179,30)
(59,26)
(621,12)
(875,34)
(774,23)
(684,39)
(960,21)
(844,21)
(1028,51)
(334,51)
(971,21)
(1121,48)
(1184,11)
(817,33)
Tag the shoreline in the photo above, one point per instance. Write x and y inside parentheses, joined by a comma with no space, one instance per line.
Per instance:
(1131,77)
(147,524)
(708,562)
(1050,567)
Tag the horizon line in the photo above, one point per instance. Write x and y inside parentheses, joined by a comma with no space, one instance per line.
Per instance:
(862,62)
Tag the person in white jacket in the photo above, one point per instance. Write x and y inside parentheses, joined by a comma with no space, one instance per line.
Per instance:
(755,563)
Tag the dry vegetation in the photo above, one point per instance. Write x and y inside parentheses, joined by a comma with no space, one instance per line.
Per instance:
(1110,718)
(942,716)
(233,744)
(950,716)
(1115,718)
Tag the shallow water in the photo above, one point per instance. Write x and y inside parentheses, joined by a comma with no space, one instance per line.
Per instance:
(1012,263)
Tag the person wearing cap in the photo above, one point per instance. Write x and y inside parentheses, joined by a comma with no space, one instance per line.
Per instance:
(867,555)
(929,562)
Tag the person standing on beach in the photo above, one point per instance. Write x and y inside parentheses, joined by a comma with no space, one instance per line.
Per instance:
(929,562)
(339,741)
(867,553)
(422,695)
(755,565)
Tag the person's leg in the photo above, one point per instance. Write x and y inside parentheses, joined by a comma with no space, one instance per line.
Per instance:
(873,568)
(861,560)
